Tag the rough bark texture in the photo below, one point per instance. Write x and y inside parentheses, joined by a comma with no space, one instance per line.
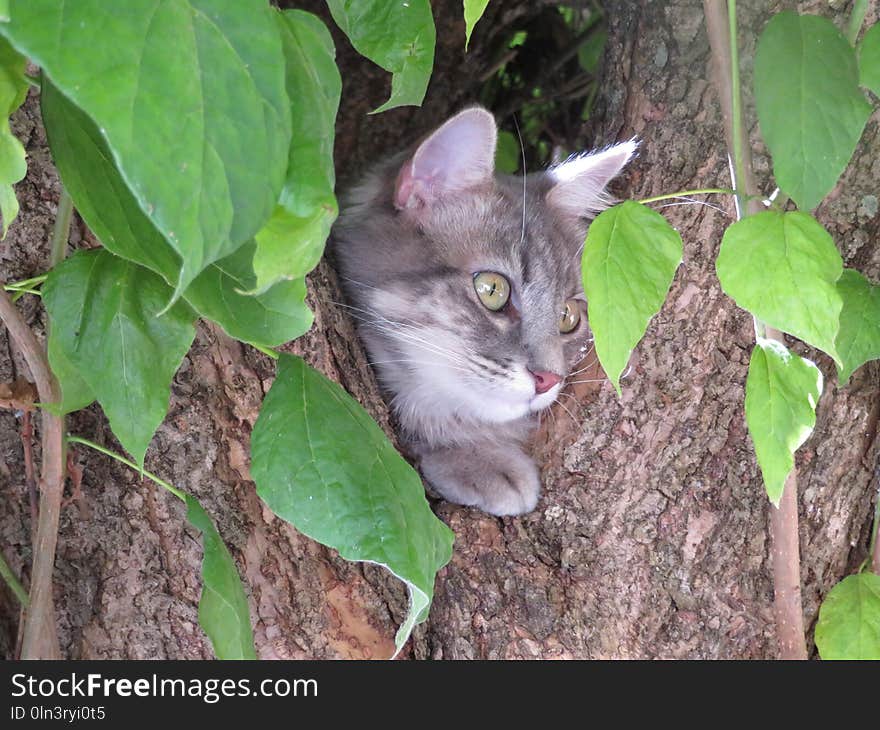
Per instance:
(651,537)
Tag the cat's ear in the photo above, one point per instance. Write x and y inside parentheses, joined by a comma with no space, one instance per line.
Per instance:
(578,189)
(457,156)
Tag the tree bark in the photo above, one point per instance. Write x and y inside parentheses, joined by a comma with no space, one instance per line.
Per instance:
(651,537)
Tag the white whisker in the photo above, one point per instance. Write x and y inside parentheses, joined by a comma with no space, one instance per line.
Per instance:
(523,152)
(691,201)
(570,414)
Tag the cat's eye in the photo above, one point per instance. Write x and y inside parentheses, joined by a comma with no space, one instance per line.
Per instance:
(492,289)
(570,316)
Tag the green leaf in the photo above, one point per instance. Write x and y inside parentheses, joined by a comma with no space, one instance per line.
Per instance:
(473,11)
(858,339)
(849,619)
(321,463)
(189,97)
(268,319)
(398,36)
(223,606)
(13,167)
(630,257)
(75,392)
(291,243)
(809,104)
(507,153)
(782,391)
(100,195)
(869,59)
(103,319)
(783,268)
(4,11)
(590,52)
(111,211)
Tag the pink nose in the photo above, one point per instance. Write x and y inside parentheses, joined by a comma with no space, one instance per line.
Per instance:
(544,380)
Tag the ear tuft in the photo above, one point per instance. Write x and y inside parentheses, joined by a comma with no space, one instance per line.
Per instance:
(579,183)
(457,156)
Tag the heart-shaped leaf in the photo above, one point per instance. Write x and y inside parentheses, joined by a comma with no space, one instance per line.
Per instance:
(108,207)
(103,319)
(13,167)
(291,243)
(223,606)
(473,11)
(782,391)
(809,104)
(321,463)
(398,36)
(858,339)
(630,258)
(189,97)
(783,268)
(849,619)
(869,59)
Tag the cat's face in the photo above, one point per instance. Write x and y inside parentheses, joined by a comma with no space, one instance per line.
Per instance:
(467,285)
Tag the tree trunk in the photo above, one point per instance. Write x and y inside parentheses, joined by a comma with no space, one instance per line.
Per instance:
(651,537)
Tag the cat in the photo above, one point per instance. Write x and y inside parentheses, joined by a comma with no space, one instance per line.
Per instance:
(467,289)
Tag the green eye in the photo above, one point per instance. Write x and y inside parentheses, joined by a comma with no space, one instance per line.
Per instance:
(570,316)
(492,289)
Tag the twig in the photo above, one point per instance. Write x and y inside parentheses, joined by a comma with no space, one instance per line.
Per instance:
(27,445)
(122,460)
(40,635)
(785,550)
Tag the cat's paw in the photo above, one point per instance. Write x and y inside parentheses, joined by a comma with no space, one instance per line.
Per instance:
(500,481)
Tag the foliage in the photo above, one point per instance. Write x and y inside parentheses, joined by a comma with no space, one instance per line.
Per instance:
(400,37)
(473,11)
(321,463)
(630,257)
(849,619)
(810,107)
(782,391)
(13,167)
(196,140)
(781,266)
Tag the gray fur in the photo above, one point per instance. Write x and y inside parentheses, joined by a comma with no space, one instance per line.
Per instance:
(455,372)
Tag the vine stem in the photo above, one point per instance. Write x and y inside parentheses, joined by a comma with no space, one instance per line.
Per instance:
(875,542)
(785,549)
(61,231)
(856,18)
(15,586)
(71,439)
(683,193)
(40,640)
(266,351)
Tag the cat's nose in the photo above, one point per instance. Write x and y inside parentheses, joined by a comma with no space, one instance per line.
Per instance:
(544,380)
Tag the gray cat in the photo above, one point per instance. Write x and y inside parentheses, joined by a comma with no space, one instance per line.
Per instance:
(467,287)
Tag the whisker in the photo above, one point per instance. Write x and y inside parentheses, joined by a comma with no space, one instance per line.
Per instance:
(691,201)
(570,414)
(400,331)
(589,365)
(523,152)
(410,361)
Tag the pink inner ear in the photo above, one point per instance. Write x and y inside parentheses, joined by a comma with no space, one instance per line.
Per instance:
(458,155)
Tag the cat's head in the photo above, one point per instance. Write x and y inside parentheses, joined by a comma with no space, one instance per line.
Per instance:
(467,284)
